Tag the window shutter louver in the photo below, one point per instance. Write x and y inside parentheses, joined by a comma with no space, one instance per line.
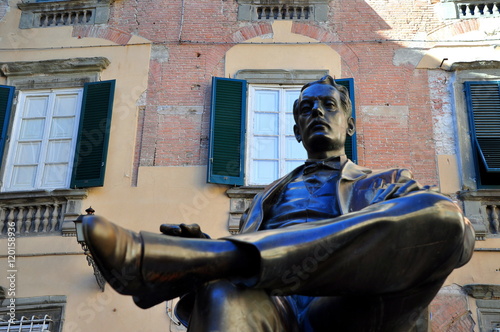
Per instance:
(6,98)
(350,143)
(484,101)
(227,131)
(93,135)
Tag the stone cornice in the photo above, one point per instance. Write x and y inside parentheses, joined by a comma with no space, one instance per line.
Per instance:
(59,66)
(490,64)
(480,195)
(60,5)
(24,197)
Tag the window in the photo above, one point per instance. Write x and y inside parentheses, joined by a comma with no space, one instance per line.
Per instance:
(43,140)
(483,104)
(58,138)
(34,314)
(25,324)
(272,150)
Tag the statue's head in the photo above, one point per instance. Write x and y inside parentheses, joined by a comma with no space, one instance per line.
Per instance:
(323,118)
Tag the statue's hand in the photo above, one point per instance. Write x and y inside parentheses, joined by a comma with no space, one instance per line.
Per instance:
(395,190)
(183,230)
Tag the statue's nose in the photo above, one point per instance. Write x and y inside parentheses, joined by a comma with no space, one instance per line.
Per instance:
(317,110)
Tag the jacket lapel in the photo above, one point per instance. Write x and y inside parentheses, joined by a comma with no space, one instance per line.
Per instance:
(349,175)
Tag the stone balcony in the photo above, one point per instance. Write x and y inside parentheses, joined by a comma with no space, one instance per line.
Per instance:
(40,212)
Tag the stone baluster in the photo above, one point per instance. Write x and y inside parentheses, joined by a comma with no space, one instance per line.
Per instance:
(267,12)
(29,219)
(470,10)
(55,217)
(479,10)
(45,218)
(20,218)
(37,218)
(10,218)
(494,218)
(307,12)
(2,218)
(487,9)
(44,21)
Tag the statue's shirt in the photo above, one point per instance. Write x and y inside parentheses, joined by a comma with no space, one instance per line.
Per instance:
(309,197)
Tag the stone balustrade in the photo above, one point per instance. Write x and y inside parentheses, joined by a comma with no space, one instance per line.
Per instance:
(283,12)
(70,17)
(40,212)
(32,218)
(478,9)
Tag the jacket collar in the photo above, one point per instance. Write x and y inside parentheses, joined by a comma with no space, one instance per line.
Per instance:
(353,172)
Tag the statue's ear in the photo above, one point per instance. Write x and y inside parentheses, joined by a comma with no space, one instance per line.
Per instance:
(351,126)
(296,131)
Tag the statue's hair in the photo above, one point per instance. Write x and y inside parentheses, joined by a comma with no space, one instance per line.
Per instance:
(345,101)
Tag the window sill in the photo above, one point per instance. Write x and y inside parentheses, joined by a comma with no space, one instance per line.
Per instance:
(41,212)
(240,200)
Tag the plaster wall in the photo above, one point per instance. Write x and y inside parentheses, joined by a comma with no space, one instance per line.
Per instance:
(163,195)
(62,270)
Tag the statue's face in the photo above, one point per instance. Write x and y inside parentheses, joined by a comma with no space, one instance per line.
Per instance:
(322,124)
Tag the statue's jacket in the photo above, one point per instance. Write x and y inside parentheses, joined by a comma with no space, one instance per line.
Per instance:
(356,188)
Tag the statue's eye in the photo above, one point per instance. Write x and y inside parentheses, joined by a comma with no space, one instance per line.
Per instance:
(305,109)
(329,104)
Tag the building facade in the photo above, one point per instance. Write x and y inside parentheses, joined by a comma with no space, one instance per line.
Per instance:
(163,111)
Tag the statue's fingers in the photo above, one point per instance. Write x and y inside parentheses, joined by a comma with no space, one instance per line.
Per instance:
(192,230)
(385,193)
(406,188)
(170,229)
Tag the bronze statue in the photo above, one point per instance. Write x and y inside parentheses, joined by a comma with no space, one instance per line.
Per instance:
(332,246)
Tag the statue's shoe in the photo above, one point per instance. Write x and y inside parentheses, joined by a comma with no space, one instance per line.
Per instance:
(151,267)
(117,253)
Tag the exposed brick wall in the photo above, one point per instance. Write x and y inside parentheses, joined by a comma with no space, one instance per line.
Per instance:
(449,311)
(96,31)
(366,34)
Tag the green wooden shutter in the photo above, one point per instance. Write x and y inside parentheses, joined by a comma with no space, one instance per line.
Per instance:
(483,99)
(227,131)
(6,98)
(350,143)
(93,135)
